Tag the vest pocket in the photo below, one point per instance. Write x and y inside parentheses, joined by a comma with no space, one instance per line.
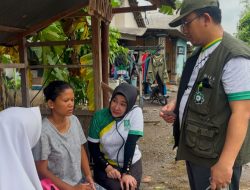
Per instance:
(201,138)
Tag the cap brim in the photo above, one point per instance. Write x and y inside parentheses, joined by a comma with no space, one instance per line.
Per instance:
(178,21)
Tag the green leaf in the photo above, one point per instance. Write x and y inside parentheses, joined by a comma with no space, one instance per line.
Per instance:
(115,3)
(166,10)
(5,58)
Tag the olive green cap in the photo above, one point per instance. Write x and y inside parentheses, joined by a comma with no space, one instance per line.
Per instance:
(188,6)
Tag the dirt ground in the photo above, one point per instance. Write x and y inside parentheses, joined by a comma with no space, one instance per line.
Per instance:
(160,171)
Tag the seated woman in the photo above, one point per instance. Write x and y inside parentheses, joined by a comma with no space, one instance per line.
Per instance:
(60,155)
(20,129)
(113,134)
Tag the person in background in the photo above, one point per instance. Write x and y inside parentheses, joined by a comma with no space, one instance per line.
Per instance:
(211,113)
(59,154)
(20,129)
(112,139)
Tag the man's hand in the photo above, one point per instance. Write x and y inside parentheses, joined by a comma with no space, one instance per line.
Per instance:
(221,175)
(167,112)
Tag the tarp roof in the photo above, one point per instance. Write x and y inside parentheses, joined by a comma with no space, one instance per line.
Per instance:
(20,18)
(153,18)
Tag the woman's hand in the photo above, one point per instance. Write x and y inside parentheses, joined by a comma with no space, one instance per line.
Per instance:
(82,186)
(112,172)
(129,181)
(91,182)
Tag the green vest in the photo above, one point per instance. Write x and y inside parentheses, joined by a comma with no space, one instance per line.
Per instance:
(207,112)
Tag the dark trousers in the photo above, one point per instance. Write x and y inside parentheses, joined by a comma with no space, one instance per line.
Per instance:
(101,177)
(199,177)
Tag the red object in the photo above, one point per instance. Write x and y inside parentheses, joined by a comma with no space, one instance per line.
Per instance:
(48,185)
(143,59)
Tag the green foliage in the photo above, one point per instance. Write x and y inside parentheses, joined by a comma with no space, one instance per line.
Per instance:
(245,3)
(54,55)
(80,90)
(5,58)
(115,3)
(244,27)
(114,48)
(12,80)
(168,9)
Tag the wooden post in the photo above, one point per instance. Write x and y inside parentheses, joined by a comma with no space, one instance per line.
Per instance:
(105,60)
(24,73)
(97,61)
(1,91)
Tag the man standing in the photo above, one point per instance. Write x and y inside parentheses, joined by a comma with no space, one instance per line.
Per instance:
(212,109)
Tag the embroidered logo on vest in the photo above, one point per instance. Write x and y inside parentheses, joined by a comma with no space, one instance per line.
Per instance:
(199,96)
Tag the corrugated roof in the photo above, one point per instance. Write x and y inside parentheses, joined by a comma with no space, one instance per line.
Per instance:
(133,31)
(157,24)
(163,2)
(19,17)
(157,20)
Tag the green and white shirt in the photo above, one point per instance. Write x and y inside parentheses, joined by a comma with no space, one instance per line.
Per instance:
(112,134)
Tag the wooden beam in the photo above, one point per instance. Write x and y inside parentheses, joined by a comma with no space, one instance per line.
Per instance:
(1,91)
(58,43)
(58,66)
(24,73)
(107,88)
(17,65)
(10,29)
(97,61)
(133,9)
(105,60)
(78,14)
(22,66)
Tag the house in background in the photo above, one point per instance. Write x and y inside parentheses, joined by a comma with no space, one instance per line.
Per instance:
(150,29)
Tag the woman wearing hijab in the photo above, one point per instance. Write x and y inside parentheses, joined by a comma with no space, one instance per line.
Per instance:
(112,139)
(20,129)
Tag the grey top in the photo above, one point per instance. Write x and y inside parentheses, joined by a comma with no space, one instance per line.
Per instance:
(63,151)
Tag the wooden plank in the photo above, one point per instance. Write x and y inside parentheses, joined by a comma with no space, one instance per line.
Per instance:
(105,60)
(133,9)
(24,73)
(107,88)
(100,8)
(97,61)
(58,43)
(22,65)
(77,15)
(1,91)
(10,29)
(16,65)
(58,66)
